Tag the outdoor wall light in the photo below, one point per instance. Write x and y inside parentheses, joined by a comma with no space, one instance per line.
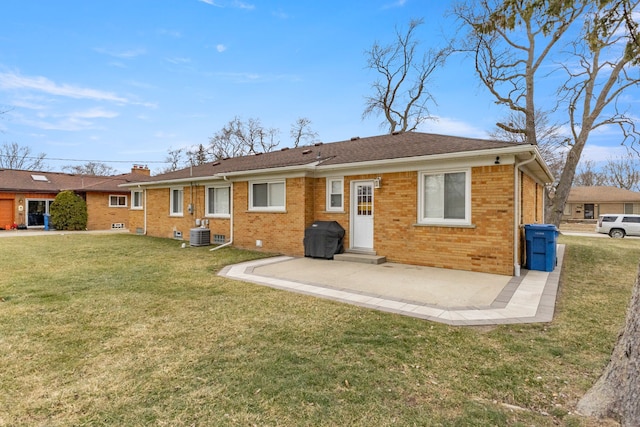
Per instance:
(497,162)
(377,182)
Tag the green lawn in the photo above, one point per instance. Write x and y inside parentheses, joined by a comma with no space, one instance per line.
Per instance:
(131,330)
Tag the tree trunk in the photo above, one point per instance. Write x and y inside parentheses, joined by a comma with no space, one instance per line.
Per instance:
(617,393)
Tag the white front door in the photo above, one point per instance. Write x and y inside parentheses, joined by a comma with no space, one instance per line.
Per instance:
(362,215)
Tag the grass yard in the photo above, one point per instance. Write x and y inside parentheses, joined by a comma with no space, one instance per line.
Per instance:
(130,330)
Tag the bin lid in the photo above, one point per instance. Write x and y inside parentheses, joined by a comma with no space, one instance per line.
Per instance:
(543,227)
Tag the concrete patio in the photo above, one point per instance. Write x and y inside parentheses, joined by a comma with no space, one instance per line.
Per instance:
(448,296)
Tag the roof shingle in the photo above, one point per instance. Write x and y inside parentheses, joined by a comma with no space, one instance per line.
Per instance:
(356,150)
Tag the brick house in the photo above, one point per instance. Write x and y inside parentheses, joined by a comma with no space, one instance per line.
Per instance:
(586,203)
(25,196)
(415,198)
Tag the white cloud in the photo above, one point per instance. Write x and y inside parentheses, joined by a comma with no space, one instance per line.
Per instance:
(124,54)
(397,3)
(94,113)
(171,33)
(178,60)
(13,81)
(210,2)
(243,5)
(221,48)
(161,134)
(236,3)
(599,154)
(451,126)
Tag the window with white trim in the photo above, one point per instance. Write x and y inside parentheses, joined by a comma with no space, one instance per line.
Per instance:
(176,201)
(117,201)
(218,201)
(268,196)
(445,197)
(335,194)
(136,199)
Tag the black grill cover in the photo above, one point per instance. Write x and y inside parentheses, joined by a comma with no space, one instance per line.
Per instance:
(323,239)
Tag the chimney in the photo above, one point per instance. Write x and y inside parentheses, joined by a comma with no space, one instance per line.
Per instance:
(140,169)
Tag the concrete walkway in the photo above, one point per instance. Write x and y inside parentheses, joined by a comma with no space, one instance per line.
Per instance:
(447,296)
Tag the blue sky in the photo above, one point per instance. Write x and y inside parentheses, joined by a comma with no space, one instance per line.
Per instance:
(125,81)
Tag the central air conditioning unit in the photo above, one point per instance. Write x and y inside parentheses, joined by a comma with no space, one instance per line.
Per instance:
(200,237)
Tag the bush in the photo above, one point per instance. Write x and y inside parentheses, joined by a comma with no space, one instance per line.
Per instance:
(68,212)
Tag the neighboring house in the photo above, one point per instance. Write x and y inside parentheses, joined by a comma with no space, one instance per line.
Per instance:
(590,201)
(415,198)
(25,196)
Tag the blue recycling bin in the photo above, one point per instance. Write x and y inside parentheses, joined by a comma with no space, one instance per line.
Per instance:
(541,246)
(46,222)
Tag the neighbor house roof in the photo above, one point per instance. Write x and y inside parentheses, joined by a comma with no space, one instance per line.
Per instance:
(53,182)
(602,194)
(348,152)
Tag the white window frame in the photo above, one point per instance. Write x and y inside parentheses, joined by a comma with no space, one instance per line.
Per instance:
(206,201)
(172,191)
(118,197)
(269,207)
(422,219)
(330,181)
(140,194)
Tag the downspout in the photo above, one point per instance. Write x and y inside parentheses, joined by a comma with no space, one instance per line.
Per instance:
(144,194)
(516,216)
(230,218)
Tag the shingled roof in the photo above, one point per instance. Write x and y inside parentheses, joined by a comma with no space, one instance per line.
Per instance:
(14,180)
(602,194)
(353,151)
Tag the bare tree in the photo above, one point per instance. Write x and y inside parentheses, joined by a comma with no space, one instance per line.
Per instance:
(512,40)
(401,93)
(90,168)
(623,172)
(239,138)
(174,159)
(596,82)
(198,155)
(14,156)
(301,132)
(587,175)
(551,143)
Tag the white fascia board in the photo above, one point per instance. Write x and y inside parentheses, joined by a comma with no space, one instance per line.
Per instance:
(285,172)
(465,158)
(171,182)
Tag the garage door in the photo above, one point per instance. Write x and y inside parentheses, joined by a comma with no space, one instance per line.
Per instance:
(6,212)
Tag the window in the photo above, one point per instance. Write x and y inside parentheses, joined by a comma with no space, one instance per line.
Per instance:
(117,201)
(136,199)
(218,201)
(445,198)
(628,208)
(634,219)
(176,201)
(335,194)
(267,196)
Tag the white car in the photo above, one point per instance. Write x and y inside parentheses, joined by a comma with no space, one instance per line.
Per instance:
(619,225)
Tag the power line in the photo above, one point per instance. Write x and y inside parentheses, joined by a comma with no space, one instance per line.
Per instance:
(85,160)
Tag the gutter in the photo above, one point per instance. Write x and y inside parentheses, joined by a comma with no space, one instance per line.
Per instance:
(516,213)
(230,219)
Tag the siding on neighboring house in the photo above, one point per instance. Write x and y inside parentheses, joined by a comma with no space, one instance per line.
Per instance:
(587,202)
